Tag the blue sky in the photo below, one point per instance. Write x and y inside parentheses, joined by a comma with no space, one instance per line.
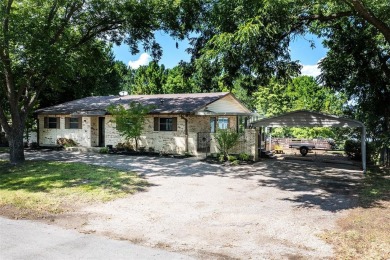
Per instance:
(300,50)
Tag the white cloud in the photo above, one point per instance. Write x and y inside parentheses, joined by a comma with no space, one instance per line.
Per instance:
(144,59)
(310,70)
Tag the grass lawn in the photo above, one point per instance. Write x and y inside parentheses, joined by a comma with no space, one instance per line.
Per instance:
(364,232)
(38,188)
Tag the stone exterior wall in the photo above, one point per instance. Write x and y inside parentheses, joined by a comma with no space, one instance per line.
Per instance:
(94,131)
(49,136)
(169,141)
(247,143)
(162,141)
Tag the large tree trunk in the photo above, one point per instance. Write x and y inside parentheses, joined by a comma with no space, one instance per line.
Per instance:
(16,146)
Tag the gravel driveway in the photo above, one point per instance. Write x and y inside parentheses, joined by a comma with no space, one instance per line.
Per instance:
(269,210)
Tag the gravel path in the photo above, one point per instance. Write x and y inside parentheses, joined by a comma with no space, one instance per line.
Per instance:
(269,210)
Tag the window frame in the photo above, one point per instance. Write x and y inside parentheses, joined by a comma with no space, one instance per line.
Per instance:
(51,122)
(213,124)
(71,124)
(172,124)
(226,119)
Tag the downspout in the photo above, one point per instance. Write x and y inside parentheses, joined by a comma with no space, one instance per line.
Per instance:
(185,131)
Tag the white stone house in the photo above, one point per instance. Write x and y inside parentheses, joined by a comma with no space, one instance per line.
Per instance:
(178,123)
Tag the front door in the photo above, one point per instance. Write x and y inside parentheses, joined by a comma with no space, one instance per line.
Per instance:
(101,132)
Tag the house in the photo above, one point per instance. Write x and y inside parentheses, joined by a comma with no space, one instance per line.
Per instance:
(178,123)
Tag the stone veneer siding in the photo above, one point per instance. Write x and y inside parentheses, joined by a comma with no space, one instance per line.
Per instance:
(162,141)
(49,136)
(247,143)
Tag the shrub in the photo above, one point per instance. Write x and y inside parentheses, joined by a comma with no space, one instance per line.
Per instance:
(354,150)
(103,150)
(244,157)
(235,162)
(66,142)
(124,146)
(226,140)
(231,158)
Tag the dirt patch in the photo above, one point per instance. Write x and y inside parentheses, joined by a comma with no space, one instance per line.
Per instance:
(363,233)
(268,210)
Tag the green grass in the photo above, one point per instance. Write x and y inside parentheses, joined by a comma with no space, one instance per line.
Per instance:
(42,187)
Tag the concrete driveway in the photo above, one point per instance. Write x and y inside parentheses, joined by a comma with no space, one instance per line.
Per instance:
(268,210)
(25,239)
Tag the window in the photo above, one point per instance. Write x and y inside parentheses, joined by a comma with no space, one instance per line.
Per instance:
(223,123)
(51,122)
(165,124)
(72,123)
(213,124)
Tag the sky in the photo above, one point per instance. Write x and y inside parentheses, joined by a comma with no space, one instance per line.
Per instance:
(300,50)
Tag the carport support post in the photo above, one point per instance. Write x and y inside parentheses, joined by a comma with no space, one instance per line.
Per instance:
(364,156)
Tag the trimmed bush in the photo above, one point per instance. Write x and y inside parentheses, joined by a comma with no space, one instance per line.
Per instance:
(244,157)
(103,150)
(232,158)
(66,142)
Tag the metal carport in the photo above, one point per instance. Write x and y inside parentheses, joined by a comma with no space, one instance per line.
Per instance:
(304,118)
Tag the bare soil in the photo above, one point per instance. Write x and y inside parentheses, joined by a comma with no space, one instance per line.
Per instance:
(268,210)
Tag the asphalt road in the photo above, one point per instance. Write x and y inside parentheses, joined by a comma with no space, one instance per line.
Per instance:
(23,239)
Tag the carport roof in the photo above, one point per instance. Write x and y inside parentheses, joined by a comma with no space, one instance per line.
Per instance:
(305,118)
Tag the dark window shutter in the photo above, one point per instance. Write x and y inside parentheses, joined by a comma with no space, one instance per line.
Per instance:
(58,122)
(156,123)
(80,122)
(174,124)
(45,122)
(67,122)
(228,123)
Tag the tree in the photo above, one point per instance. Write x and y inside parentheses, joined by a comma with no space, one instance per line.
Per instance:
(42,40)
(301,93)
(149,79)
(252,38)
(358,64)
(95,75)
(130,121)
(244,38)
(179,80)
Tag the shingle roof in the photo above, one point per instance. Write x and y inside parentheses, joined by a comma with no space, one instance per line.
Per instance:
(163,103)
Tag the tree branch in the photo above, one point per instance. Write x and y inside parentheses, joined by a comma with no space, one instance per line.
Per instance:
(52,13)
(367,15)
(4,54)
(4,121)
(95,31)
(68,15)
(325,18)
